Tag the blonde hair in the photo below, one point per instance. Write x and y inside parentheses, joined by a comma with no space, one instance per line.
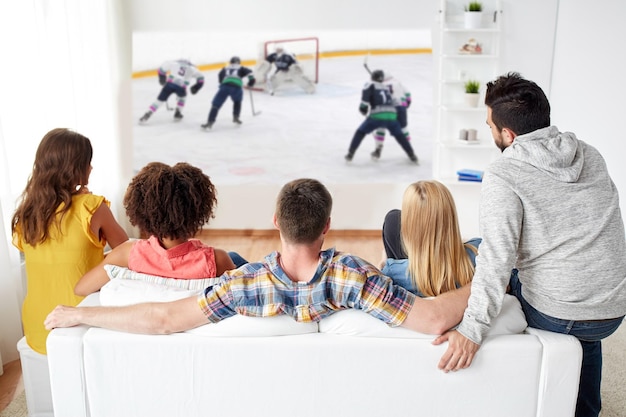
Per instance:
(431,238)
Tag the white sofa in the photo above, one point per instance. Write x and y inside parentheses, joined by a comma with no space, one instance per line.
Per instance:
(349,364)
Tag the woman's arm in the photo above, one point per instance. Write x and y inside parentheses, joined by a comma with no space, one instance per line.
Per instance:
(223,262)
(104,225)
(93,280)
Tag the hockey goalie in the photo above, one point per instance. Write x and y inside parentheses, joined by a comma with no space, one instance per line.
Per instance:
(283,67)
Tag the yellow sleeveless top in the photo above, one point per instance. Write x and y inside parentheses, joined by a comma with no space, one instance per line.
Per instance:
(54,267)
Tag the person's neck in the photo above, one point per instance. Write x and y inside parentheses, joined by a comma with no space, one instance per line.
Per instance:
(300,261)
(168,243)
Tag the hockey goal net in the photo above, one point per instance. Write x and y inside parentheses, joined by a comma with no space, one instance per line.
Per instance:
(306,51)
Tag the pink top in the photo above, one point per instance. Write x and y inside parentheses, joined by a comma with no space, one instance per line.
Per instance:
(189,260)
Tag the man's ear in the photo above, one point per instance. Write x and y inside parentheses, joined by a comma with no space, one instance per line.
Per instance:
(275,222)
(508,135)
(327,227)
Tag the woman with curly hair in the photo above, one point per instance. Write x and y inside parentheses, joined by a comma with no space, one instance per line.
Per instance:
(61,227)
(170,204)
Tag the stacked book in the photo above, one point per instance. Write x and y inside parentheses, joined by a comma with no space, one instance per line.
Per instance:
(470,175)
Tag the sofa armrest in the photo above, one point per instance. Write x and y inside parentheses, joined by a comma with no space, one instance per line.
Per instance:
(67,372)
(560,373)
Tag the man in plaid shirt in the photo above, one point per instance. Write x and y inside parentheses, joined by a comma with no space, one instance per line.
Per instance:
(302,281)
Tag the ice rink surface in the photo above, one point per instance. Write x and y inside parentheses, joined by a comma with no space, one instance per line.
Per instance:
(295,134)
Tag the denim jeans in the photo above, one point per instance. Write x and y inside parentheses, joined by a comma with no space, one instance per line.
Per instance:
(589,333)
(237,259)
(391,236)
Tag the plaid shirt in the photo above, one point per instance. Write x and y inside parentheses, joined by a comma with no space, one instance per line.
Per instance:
(341,281)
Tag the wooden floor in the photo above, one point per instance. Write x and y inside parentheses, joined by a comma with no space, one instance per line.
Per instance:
(253,245)
(10,383)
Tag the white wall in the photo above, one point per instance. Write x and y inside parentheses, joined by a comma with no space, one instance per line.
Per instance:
(237,27)
(150,49)
(345,25)
(279,15)
(544,40)
(66,64)
(588,87)
(533,30)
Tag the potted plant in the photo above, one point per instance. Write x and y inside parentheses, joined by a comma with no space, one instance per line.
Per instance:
(473,15)
(472,88)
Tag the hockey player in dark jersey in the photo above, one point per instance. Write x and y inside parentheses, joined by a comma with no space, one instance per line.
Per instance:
(287,68)
(377,98)
(401,98)
(231,83)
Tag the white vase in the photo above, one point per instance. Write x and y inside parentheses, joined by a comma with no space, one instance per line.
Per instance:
(471,99)
(473,20)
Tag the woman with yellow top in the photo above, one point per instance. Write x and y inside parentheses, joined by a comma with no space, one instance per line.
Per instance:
(60,227)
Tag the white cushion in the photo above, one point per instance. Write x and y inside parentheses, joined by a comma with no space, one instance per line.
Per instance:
(120,292)
(119,272)
(358,323)
(255,327)
(511,320)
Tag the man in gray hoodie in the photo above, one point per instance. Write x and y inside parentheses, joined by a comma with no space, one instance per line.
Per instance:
(550,212)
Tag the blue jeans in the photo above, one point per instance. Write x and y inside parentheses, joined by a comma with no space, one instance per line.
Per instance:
(589,333)
(237,259)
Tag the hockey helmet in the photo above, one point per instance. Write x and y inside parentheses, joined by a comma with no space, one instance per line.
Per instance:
(378,75)
(235,60)
(279,49)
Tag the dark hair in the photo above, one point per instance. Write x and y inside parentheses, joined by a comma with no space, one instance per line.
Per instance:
(62,164)
(517,104)
(170,202)
(303,208)
(378,75)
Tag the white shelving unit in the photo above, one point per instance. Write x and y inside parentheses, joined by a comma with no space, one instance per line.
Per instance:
(453,69)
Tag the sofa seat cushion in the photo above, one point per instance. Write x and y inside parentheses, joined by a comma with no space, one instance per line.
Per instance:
(120,272)
(511,320)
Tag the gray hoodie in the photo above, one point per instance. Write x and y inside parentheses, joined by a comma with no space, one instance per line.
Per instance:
(549,208)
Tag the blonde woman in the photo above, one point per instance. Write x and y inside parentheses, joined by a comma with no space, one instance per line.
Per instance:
(423,242)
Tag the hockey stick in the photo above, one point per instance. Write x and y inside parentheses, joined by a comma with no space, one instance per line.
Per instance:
(367,68)
(167,105)
(254,113)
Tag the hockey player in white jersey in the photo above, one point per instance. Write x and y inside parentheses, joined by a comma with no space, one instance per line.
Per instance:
(286,68)
(401,97)
(175,76)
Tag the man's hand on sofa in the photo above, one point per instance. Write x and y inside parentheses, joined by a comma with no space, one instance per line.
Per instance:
(460,353)
(62,316)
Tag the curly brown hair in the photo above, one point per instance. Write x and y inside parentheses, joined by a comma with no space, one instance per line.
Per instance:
(170,202)
(62,164)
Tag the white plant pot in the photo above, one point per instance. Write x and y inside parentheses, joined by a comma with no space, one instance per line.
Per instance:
(473,20)
(471,99)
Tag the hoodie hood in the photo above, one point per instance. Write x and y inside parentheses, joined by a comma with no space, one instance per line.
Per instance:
(560,155)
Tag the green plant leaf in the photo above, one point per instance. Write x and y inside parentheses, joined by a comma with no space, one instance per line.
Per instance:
(474,6)
(472,86)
